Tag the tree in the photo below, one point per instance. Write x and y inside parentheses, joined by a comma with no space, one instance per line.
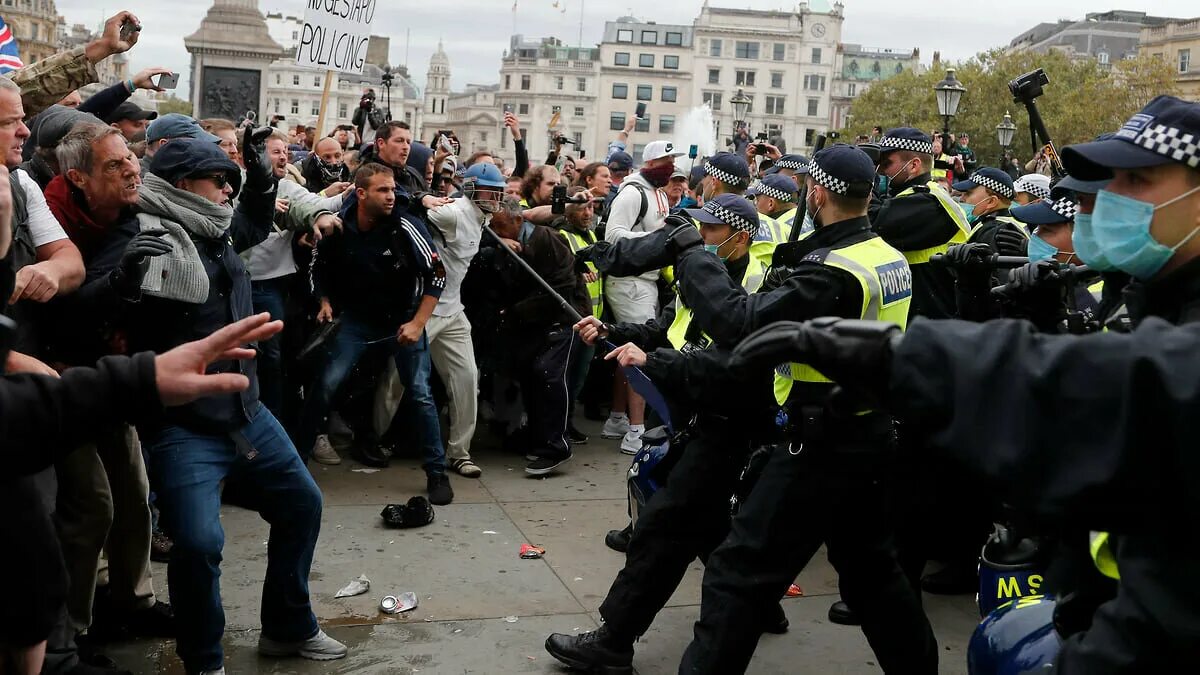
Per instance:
(174,104)
(1082,100)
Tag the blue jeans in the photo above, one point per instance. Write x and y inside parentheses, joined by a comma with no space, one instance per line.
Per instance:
(186,470)
(270,295)
(414,368)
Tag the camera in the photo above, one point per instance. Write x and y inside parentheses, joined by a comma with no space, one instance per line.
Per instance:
(387,77)
(1028,86)
(559,200)
(563,140)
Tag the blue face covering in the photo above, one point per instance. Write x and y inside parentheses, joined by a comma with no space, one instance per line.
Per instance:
(1083,238)
(1122,229)
(969,210)
(1040,249)
(713,248)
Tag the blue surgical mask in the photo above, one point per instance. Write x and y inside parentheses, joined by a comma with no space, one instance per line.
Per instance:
(713,248)
(1040,249)
(969,211)
(1122,229)
(1083,238)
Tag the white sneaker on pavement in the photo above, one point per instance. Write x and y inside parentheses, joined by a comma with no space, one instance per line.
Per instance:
(323,451)
(631,443)
(319,647)
(615,427)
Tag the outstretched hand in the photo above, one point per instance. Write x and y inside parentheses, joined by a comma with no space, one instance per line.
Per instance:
(180,373)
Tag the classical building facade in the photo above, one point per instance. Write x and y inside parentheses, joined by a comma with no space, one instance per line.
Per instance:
(34,24)
(782,60)
(858,67)
(1178,42)
(474,118)
(437,94)
(642,62)
(1104,36)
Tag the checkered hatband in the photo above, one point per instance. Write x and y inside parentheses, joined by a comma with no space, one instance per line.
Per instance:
(730,218)
(1172,142)
(763,189)
(1067,208)
(793,164)
(1032,188)
(992,184)
(826,180)
(910,144)
(724,176)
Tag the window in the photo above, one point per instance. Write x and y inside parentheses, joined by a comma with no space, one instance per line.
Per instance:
(814,82)
(714,48)
(523,109)
(33,32)
(645,92)
(809,136)
(341,110)
(671,62)
(295,107)
(317,81)
(316,107)
(812,106)
(1185,60)
(852,89)
(579,111)
(624,36)
(558,82)
(649,37)
(578,138)
(744,78)
(638,149)
(621,59)
(277,107)
(483,137)
(712,99)
(643,124)
(616,121)
(675,39)
(774,130)
(714,76)
(778,51)
(277,78)
(296,79)
(670,94)
(525,82)
(666,124)
(774,105)
(620,90)
(581,84)
(816,54)
(645,60)
(745,50)
(750,107)
(777,80)
(295,35)
(508,81)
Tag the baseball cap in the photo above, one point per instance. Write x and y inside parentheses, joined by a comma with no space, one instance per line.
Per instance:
(728,168)
(1167,130)
(775,186)
(844,170)
(129,111)
(620,161)
(989,177)
(906,138)
(1035,184)
(679,173)
(728,209)
(660,149)
(1046,212)
(177,125)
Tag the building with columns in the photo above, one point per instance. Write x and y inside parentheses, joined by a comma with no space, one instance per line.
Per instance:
(34,24)
(858,67)
(437,95)
(474,118)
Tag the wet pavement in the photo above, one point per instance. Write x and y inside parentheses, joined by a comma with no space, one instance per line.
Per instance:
(483,609)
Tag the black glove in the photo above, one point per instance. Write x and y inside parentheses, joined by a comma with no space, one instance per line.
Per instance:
(260,176)
(969,255)
(128,275)
(582,257)
(854,353)
(1034,276)
(1011,242)
(684,233)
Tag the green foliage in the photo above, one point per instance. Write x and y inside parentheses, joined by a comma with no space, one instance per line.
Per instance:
(1082,100)
(174,104)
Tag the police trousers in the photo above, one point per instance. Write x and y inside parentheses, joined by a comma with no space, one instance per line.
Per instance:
(800,501)
(683,521)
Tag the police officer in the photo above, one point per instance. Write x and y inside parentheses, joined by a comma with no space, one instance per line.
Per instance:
(690,515)
(918,218)
(792,167)
(775,197)
(727,173)
(1067,417)
(1030,188)
(829,484)
(987,195)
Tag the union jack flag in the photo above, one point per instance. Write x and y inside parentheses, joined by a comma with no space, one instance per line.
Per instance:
(10,58)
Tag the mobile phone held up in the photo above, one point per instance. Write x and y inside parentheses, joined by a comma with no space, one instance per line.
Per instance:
(508,108)
(640,111)
(128,28)
(166,80)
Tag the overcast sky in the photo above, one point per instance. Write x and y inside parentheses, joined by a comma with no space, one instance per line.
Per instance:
(476,32)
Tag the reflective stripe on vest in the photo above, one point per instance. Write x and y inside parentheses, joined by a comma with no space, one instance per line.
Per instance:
(1102,555)
(886,282)
(787,221)
(769,229)
(752,279)
(595,289)
(956,214)
(1002,219)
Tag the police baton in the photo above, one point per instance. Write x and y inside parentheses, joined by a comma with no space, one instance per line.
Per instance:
(998,261)
(794,235)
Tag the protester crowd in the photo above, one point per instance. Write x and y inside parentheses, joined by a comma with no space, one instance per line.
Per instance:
(418,287)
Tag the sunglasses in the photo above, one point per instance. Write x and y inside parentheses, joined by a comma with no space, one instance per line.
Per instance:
(220,179)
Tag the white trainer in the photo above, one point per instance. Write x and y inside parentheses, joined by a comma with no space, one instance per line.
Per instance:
(319,647)
(631,443)
(615,427)
(324,453)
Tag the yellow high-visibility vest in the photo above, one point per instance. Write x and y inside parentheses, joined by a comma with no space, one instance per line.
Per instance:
(595,288)
(956,214)
(752,279)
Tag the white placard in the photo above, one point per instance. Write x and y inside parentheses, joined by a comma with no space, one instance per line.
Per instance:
(335,34)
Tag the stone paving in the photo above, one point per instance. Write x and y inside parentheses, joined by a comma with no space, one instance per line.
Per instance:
(483,609)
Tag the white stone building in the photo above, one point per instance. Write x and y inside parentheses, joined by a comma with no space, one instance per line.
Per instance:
(858,67)
(782,60)
(475,118)
(295,93)
(642,62)
(437,94)
(550,86)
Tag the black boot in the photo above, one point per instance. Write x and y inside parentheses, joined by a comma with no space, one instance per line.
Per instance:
(368,453)
(775,622)
(618,540)
(841,614)
(596,652)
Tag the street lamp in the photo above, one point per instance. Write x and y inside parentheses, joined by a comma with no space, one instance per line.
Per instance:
(1004,134)
(741,106)
(949,93)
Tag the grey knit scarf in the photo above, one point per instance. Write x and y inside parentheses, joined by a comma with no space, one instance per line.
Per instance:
(179,275)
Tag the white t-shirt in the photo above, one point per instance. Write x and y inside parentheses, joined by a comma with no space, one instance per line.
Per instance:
(623,214)
(272,258)
(457,228)
(44,227)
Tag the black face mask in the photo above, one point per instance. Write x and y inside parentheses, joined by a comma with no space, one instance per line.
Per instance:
(331,172)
